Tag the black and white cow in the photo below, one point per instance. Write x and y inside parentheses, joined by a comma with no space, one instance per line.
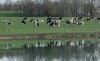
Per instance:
(60,18)
(79,18)
(31,20)
(4,21)
(68,22)
(36,22)
(49,20)
(89,19)
(79,23)
(23,21)
(98,20)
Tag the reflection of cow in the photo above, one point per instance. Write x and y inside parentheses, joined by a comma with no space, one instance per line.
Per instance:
(25,46)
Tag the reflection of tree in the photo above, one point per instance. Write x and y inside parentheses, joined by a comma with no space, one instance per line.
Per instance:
(64,53)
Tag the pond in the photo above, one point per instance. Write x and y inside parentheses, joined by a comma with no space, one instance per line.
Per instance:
(90,51)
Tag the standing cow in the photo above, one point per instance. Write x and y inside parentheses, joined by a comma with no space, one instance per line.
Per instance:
(36,22)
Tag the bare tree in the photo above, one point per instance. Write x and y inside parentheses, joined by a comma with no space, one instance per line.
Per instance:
(7,5)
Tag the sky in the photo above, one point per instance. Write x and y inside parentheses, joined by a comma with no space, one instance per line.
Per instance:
(2,1)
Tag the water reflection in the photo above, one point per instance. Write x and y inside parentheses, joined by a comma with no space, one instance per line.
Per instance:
(61,53)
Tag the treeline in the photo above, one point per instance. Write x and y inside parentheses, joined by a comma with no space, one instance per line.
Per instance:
(53,7)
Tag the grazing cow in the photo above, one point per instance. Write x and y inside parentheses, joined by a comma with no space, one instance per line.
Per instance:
(25,18)
(49,20)
(58,23)
(60,18)
(89,19)
(9,23)
(4,21)
(79,23)
(68,22)
(98,19)
(80,18)
(52,24)
(31,20)
(23,22)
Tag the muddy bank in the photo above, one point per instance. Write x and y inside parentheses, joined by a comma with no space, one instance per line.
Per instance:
(52,36)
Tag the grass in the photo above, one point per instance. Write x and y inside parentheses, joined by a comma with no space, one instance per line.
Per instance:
(20,29)
(9,14)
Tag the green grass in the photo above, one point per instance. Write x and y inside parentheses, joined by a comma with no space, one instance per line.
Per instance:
(20,29)
(9,14)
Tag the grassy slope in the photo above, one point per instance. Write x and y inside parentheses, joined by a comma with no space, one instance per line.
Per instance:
(20,29)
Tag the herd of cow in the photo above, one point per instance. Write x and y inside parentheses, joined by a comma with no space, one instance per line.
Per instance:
(52,22)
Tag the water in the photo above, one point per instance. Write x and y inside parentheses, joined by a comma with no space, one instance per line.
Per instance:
(86,52)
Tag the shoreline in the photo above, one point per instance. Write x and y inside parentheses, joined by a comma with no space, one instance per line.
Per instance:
(51,36)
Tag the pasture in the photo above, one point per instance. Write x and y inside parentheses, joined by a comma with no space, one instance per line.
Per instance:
(29,29)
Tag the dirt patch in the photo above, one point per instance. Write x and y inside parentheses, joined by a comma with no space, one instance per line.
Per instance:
(51,36)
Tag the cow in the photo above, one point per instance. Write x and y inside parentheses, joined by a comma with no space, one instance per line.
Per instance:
(68,22)
(23,21)
(79,23)
(52,24)
(79,18)
(36,22)
(60,18)
(57,23)
(9,23)
(4,21)
(98,19)
(31,20)
(89,19)
(49,20)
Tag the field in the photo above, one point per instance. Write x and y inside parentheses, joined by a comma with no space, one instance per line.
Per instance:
(29,29)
